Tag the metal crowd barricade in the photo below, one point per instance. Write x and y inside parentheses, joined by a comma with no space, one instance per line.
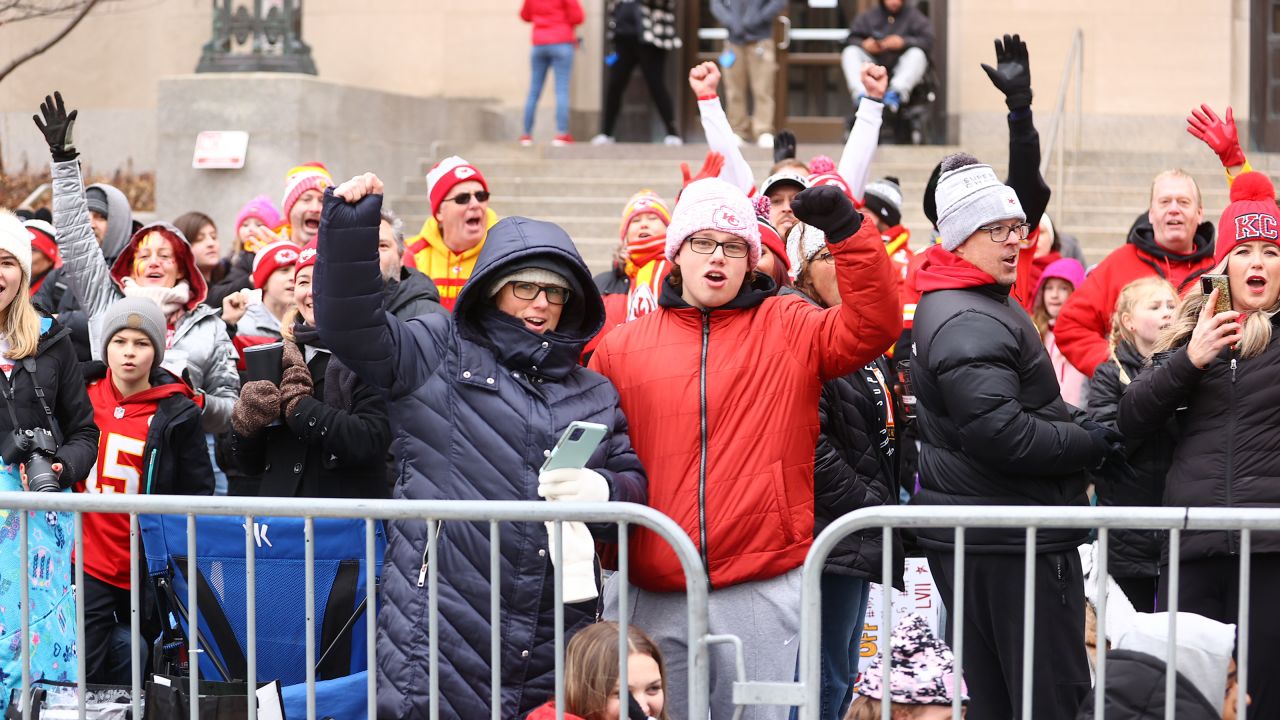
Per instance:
(433,512)
(805,692)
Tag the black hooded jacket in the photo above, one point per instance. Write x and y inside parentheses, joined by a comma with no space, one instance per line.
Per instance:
(413,294)
(1156,256)
(1132,553)
(1135,691)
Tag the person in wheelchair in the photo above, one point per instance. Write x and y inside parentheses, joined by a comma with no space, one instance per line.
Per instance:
(895,35)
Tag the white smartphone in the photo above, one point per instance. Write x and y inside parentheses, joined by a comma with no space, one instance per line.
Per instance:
(576,445)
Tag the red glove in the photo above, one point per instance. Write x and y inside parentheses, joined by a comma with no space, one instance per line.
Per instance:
(1220,135)
(710,168)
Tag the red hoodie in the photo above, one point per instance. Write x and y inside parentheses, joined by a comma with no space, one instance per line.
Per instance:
(124,422)
(553,20)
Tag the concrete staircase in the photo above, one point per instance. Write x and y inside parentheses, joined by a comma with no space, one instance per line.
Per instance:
(583,188)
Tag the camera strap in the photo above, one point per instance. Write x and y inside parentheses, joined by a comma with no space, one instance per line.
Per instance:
(6,391)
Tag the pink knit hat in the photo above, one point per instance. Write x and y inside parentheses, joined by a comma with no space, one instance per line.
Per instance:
(307,176)
(262,208)
(1068,269)
(923,671)
(713,204)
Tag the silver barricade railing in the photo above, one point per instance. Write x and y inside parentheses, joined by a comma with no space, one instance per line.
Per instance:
(433,512)
(805,692)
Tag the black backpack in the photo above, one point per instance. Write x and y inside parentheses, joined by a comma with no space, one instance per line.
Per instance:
(627,19)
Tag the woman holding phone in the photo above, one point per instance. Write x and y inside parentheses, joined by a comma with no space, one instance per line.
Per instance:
(477,401)
(1216,374)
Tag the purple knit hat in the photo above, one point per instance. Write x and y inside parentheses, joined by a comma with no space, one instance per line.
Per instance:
(923,668)
(713,204)
(262,208)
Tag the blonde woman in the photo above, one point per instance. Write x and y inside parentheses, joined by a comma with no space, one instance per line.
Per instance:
(1217,375)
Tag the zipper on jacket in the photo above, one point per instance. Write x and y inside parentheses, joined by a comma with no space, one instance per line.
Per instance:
(426,550)
(702,459)
(1231,434)
(151,468)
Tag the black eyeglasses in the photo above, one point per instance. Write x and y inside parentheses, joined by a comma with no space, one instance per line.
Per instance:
(999,233)
(464,198)
(556,295)
(825,256)
(707,246)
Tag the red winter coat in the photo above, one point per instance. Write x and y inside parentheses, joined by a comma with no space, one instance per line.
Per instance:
(553,20)
(1085,322)
(723,411)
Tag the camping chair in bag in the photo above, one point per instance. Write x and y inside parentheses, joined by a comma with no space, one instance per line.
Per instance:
(340,597)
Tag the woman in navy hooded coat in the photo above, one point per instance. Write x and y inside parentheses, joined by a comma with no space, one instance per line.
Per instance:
(477,400)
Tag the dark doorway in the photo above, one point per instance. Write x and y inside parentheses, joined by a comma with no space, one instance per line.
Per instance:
(1264,74)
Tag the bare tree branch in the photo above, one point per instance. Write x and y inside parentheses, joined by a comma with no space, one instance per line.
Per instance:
(57,37)
(12,11)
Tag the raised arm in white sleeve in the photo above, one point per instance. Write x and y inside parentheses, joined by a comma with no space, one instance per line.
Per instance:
(860,149)
(720,139)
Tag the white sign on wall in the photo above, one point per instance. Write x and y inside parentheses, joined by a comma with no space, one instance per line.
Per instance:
(220,150)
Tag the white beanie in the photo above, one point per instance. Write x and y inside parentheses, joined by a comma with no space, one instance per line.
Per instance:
(1204,647)
(970,196)
(803,243)
(15,239)
(713,204)
(536,275)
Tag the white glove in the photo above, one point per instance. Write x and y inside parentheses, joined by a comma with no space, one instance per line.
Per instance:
(579,560)
(573,484)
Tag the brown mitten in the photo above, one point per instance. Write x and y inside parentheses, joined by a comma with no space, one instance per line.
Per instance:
(295,383)
(258,406)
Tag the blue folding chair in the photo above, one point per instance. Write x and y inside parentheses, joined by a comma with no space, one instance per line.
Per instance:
(340,598)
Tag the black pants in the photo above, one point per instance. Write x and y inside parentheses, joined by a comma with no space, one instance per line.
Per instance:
(1141,591)
(106,609)
(653,63)
(993,610)
(1211,587)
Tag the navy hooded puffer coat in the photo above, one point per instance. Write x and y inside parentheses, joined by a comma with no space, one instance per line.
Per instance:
(475,401)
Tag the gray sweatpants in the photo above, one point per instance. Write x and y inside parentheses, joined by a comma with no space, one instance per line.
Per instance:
(903,76)
(765,614)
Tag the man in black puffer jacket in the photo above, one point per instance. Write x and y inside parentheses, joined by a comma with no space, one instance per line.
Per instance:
(995,431)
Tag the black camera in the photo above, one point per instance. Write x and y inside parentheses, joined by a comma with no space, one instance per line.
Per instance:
(35,449)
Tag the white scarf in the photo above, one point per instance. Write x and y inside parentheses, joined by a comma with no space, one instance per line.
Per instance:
(171,300)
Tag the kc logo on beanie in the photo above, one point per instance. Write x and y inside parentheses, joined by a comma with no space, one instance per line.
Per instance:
(728,221)
(1255,226)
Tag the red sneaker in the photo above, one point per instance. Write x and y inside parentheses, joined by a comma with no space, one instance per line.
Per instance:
(562,140)
(526,141)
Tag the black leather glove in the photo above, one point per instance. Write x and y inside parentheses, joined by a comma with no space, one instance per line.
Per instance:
(827,208)
(784,146)
(1012,73)
(634,711)
(56,126)
(1107,443)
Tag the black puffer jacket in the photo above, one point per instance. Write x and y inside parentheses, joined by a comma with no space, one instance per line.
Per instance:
(1135,691)
(57,372)
(1131,553)
(333,445)
(1228,435)
(993,427)
(412,295)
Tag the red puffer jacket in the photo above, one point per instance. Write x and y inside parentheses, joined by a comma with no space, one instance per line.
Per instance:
(723,412)
(553,20)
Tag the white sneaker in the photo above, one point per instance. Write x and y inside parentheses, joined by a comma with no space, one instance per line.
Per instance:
(765,140)
(603,139)
(673,140)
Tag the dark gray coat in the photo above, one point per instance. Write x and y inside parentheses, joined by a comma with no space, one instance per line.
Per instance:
(475,402)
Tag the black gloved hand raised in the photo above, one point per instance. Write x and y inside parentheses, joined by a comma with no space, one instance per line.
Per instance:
(1107,443)
(1012,73)
(827,208)
(784,146)
(56,127)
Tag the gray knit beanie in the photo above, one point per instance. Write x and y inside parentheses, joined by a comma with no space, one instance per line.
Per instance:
(970,196)
(135,313)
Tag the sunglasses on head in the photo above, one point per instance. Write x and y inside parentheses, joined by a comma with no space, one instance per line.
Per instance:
(464,198)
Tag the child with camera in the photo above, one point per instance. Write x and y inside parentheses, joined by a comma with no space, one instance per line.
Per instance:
(152,443)
(47,443)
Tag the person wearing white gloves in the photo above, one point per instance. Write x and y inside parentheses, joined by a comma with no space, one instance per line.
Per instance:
(575,485)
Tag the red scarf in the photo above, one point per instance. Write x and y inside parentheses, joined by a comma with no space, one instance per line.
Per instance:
(944,270)
(643,252)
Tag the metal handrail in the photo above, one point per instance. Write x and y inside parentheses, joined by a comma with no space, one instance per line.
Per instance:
(1073,67)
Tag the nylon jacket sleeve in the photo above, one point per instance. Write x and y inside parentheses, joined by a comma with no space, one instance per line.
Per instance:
(1082,325)
(839,340)
(221,382)
(623,471)
(765,12)
(87,272)
(196,469)
(382,349)
(918,31)
(845,467)
(719,134)
(975,360)
(74,412)
(1024,166)
(1156,394)
(1104,394)
(723,14)
(525,13)
(860,148)
(863,27)
(574,8)
(349,439)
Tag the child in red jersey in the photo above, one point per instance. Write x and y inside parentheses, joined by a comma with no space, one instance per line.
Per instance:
(151,442)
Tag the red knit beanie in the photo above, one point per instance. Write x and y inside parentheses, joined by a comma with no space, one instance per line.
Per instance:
(1252,214)
(447,173)
(272,258)
(307,257)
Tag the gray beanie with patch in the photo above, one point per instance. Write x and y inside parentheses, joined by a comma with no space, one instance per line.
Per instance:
(136,313)
(970,196)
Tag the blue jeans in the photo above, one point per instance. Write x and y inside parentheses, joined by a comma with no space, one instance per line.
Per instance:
(544,57)
(844,610)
